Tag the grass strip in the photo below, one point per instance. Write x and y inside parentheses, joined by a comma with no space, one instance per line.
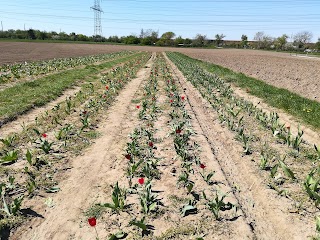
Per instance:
(306,110)
(23,97)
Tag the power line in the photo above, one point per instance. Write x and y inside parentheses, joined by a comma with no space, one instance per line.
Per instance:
(268,20)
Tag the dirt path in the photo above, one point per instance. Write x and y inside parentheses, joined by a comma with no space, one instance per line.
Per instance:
(268,214)
(98,165)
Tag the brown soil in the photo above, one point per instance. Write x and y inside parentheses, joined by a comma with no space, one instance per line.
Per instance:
(298,75)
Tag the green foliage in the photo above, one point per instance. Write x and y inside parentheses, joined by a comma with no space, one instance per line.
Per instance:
(9,157)
(12,207)
(217,204)
(119,197)
(148,200)
(189,208)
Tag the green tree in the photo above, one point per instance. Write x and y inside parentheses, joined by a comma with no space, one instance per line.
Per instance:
(178,41)
(280,42)
(244,41)
(131,40)
(200,40)
(31,34)
(21,34)
(42,35)
(317,46)
(187,41)
(148,37)
(219,39)
(167,38)
(263,41)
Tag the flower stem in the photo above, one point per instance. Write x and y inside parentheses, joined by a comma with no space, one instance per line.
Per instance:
(96,233)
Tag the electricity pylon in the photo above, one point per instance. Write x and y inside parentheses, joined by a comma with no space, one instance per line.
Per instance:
(97,18)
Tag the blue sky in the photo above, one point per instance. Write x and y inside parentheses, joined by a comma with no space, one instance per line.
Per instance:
(186,18)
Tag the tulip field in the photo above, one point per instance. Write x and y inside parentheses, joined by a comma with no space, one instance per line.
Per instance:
(149,145)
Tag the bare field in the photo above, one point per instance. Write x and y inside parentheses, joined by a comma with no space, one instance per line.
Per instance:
(299,75)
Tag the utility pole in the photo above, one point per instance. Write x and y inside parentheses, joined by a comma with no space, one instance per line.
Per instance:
(97,19)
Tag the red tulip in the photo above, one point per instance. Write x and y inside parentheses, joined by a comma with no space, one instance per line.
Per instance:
(182,98)
(141,180)
(44,135)
(150,144)
(92,222)
(202,166)
(138,107)
(128,156)
(178,131)
(84,112)
(107,87)
(171,101)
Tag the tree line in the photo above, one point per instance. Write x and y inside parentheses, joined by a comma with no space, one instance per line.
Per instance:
(299,41)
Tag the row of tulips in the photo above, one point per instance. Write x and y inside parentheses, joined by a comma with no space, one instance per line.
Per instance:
(12,72)
(240,116)
(56,135)
(188,152)
(142,166)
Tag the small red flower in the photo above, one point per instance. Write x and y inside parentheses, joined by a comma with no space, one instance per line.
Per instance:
(84,112)
(107,87)
(141,181)
(171,101)
(178,131)
(44,135)
(92,222)
(171,94)
(182,98)
(202,166)
(150,144)
(288,126)
(137,106)
(128,156)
